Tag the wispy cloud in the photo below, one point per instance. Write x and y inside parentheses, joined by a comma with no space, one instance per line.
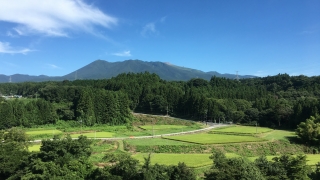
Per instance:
(163,19)
(7,49)
(53,66)
(148,29)
(53,17)
(123,54)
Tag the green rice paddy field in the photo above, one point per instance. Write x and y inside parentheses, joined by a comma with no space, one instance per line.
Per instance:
(243,129)
(150,127)
(38,132)
(214,138)
(155,141)
(94,135)
(192,160)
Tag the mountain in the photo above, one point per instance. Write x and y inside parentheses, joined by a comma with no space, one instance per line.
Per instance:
(24,78)
(100,69)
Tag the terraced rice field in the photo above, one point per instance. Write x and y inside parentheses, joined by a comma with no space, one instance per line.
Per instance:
(154,141)
(243,129)
(191,160)
(51,132)
(214,138)
(35,147)
(94,135)
(159,127)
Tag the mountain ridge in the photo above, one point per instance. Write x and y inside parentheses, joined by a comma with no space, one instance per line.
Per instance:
(101,69)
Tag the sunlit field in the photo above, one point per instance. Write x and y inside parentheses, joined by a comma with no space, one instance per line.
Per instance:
(191,160)
(214,138)
(279,135)
(243,129)
(157,127)
(51,132)
(154,142)
(94,135)
(35,147)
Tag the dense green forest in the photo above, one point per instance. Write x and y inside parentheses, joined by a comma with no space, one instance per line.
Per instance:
(280,101)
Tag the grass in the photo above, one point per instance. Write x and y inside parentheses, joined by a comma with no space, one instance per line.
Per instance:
(99,150)
(214,138)
(94,135)
(244,129)
(154,141)
(313,159)
(279,135)
(191,160)
(157,127)
(35,147)
(38,132)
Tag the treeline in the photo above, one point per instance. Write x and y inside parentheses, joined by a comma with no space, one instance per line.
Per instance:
(274,101)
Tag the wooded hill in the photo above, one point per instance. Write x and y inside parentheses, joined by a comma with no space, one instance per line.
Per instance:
(274,101)
(101,69)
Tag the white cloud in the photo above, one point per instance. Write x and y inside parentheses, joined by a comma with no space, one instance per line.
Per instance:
(149,28)
(123,54)
(7,49)
(52,17)
(53,66)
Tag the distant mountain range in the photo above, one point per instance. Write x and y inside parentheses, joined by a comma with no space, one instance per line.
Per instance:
(101,69)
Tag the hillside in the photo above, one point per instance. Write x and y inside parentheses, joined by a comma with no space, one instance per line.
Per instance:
(101,69)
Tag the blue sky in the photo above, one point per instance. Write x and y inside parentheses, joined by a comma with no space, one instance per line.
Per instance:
(56,37)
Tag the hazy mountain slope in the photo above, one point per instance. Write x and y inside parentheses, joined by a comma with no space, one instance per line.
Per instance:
(100,69)
(103,69)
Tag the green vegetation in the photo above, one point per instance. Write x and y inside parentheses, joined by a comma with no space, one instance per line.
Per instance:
(116,107)
(191,160)
(214,138)
(35,147)
(279,135)
(94,135)
(157,127)
(242,130)
(52,132)
(154,142)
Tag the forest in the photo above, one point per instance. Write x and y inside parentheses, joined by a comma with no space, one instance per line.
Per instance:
(280,101)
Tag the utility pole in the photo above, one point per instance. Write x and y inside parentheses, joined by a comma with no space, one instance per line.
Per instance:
(237,76)
(167,111)
(152,128)
(205,116)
